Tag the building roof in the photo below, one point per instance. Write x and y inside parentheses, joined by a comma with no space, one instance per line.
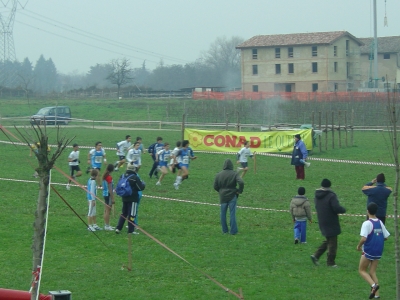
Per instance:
(294,39)
(386,44)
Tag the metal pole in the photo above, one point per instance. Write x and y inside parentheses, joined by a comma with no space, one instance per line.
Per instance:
(375,48)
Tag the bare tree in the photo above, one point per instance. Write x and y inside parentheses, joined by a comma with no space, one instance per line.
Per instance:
(393,112)
(225,59)
(46,163)
(25,82)
(120,73)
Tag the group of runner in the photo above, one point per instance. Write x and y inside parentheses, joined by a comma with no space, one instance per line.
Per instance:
(164,159)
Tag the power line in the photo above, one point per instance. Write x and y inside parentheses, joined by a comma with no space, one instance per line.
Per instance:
(84,42)
(99,38)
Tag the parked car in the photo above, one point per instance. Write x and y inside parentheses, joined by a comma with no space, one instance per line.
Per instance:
(57,115)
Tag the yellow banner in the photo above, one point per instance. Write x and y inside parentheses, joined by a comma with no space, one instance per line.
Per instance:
(232,141)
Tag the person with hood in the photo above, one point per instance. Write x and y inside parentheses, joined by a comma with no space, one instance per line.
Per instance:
(229,185)
(299,157)
(328,209)
(378,194)
(300,210)
(130,203)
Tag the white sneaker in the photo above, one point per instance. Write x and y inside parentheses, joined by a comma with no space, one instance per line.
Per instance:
(116,169)
(238,169)
(68,187)
(158,183)
(176,185)
(135,232)
(307,164)
(109,228)
(90,228)
(95,227)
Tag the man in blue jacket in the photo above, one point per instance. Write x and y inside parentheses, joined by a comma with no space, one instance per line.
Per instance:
(378,194)
(299,156)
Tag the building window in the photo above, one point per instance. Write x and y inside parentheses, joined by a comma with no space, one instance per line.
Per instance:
(315,87)
(255,88)
(291,68)
(314,67)
(255,69)
(255,54)
(347,69)
(334,50)
(278,69)
(314,51)
(277,52)
(290,52)
(335,66)
(335,87)
(347,47)
(386,56)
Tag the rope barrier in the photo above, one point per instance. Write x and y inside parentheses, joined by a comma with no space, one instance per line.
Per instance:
(190,201)
(357,162)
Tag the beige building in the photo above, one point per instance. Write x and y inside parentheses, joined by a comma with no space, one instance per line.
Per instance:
(388,62)
(303,62)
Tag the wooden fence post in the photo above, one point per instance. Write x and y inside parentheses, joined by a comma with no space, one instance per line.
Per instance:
(238,121)
(183,126)
(340,136)
(320,128)
(326,131)
(333,130)
(352,128)
(345,125)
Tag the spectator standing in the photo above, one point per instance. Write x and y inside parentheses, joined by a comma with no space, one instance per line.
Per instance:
(229,185)
(378,194)
(73,162)
(299,157)
(129,203)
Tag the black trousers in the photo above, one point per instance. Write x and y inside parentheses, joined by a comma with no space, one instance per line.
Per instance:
(329,244)
(129,210)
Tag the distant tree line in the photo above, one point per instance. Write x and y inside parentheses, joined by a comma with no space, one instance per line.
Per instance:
(219,66)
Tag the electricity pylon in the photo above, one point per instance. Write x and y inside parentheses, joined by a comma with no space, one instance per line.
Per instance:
(7,49)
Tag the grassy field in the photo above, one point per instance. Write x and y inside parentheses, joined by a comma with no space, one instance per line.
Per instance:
(265,112)
(262,259)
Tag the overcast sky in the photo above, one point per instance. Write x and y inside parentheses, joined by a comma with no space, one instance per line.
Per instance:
(77,34)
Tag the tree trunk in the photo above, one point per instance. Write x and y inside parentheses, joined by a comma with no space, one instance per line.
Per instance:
(39,231)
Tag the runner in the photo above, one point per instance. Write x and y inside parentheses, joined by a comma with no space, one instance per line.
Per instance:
(163,157)
(122,147)
(73,161)
(134,156)
(242,156)
(183,157)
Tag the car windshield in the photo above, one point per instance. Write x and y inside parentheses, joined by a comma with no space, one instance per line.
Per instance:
(43,111)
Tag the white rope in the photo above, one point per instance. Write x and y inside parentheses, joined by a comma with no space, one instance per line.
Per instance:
(193,202)
(45,236)
(357,162)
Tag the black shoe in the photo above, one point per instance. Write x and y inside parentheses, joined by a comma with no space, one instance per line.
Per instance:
(88,170)
(374,289)
(296,241)
(314,260)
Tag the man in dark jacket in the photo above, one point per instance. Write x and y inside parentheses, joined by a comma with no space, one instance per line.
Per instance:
(225,184)
(378,194)
(129,203)
(328,207)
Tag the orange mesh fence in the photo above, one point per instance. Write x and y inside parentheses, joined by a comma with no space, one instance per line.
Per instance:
(299,96)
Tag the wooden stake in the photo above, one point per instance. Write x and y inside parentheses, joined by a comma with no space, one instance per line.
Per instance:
(255,163)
